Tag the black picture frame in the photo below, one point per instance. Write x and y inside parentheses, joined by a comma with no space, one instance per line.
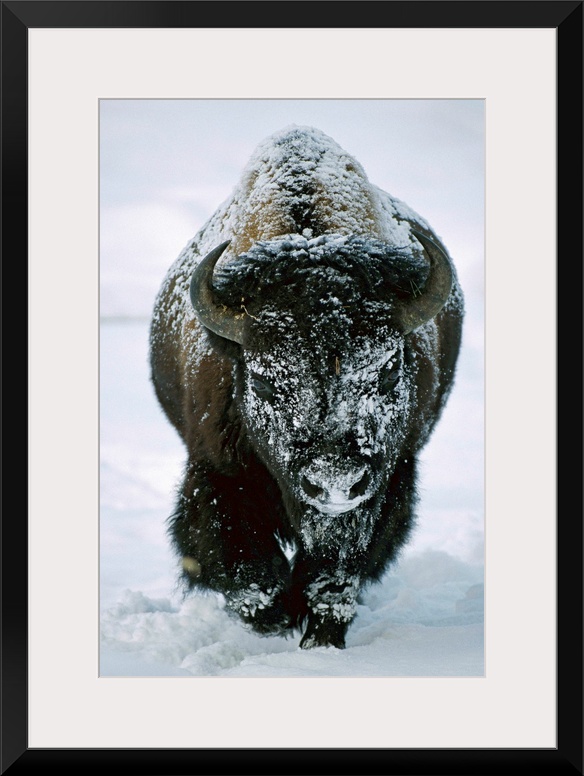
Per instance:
(18,16)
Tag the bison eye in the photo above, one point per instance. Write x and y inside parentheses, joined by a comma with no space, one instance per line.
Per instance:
(389,377)
(261,388)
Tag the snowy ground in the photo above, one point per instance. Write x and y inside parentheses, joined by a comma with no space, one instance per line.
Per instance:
(424,619)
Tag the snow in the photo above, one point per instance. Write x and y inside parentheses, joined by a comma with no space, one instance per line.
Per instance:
(425,618)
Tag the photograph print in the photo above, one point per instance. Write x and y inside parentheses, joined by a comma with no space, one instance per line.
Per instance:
(291,388)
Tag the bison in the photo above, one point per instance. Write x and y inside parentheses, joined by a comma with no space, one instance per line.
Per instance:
(303,345)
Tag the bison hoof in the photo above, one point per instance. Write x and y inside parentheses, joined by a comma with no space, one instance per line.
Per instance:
(324,635)
(272,621)
(269,626)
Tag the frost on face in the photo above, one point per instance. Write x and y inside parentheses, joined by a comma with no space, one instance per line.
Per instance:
(329,425)
(328,411)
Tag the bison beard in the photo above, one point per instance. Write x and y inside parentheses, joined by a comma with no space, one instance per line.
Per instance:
(304,374)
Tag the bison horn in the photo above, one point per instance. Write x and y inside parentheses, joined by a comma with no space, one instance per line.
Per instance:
(211,313)
(426,304)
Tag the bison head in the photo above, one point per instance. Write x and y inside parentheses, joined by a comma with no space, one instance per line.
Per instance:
(324,378)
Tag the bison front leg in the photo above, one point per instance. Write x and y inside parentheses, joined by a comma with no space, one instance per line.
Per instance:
(330,604)
(225,539)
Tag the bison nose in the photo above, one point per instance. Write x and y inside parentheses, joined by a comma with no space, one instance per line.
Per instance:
(359,487)
(336,494)
(311,489)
